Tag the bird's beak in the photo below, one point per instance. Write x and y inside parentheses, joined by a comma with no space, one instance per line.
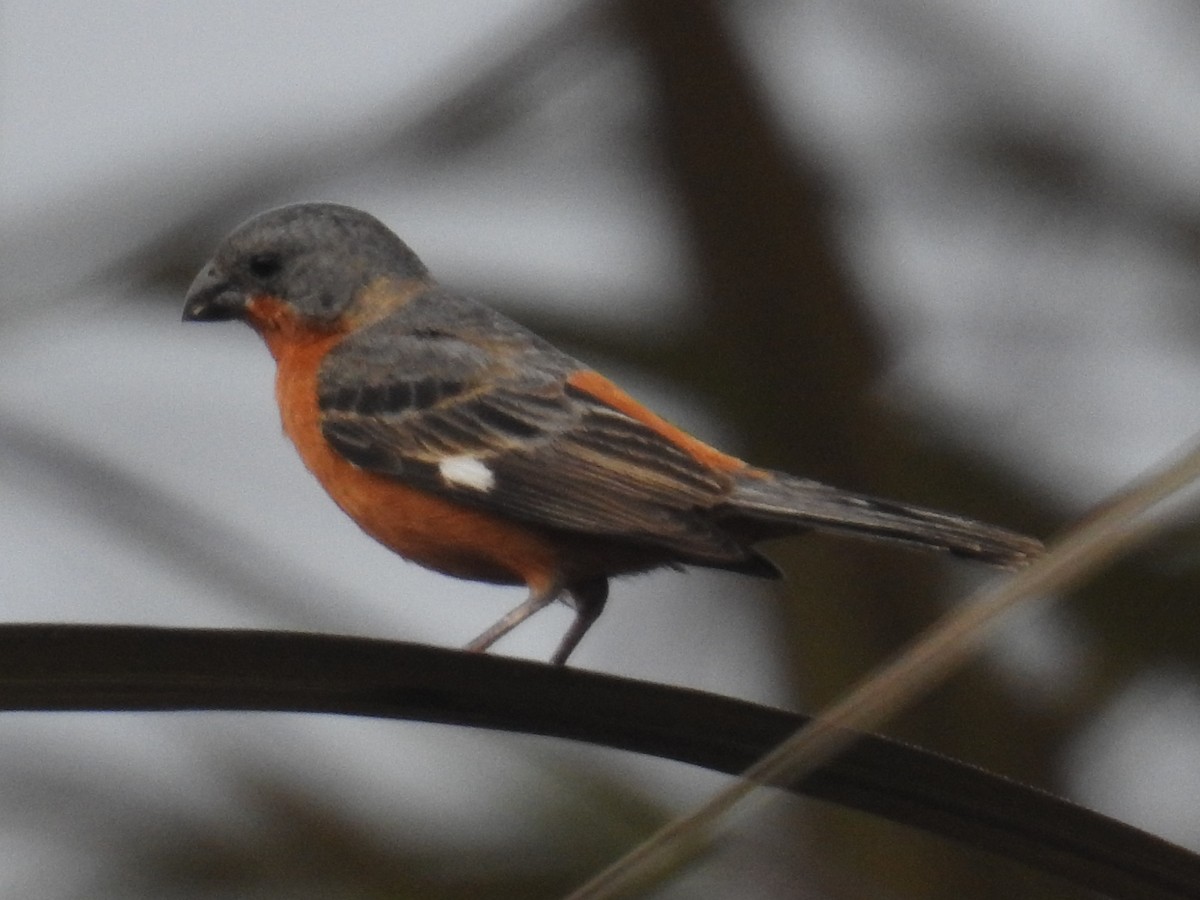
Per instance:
(211,298)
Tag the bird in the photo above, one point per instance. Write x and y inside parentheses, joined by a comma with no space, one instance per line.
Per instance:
(466,443)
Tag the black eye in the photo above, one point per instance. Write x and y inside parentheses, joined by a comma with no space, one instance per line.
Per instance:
(264,265)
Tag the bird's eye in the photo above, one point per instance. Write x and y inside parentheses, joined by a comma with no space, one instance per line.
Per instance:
(264,265)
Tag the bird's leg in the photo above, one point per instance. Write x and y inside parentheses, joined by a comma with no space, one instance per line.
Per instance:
(588,599)
(539,598)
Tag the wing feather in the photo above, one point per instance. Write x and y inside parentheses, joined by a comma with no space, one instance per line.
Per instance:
(559,458)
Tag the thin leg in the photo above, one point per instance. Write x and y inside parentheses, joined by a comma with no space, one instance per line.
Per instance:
(538,599)
(589,599)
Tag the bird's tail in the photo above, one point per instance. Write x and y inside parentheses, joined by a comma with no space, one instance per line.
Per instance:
(773,504)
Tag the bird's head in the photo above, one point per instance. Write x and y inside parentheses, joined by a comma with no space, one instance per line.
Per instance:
(310,263)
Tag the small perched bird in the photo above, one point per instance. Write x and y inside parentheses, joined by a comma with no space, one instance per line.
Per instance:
(467,444)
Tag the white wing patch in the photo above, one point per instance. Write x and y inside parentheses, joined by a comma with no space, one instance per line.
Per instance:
(467,471)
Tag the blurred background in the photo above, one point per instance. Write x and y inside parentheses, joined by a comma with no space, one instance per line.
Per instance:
(939,251)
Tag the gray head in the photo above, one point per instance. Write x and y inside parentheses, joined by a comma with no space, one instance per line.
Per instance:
(311,256)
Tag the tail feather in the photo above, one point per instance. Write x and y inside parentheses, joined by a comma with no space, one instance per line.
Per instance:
(778,504)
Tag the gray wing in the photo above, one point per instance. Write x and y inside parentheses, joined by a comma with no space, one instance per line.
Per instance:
(522,442)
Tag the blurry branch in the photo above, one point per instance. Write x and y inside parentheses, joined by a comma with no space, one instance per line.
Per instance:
(500,93)
(185,209)
(207,549)
(1080,553)
(79,667)
(305,844)
(491,92)
(778,308)
(790,351)
(1026,137)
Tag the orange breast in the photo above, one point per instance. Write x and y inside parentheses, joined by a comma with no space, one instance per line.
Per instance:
(421,527)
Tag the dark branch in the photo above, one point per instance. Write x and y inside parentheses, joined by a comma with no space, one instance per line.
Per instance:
(80,667)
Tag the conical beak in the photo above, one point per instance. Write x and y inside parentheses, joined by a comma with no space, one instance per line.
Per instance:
(211,298)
